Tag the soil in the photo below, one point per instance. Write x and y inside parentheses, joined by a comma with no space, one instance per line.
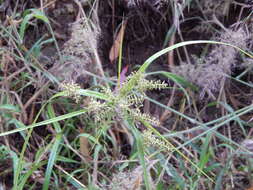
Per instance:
(145,32)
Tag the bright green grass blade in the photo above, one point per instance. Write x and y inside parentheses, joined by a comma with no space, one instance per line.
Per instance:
(21,162)
(38,14)
(120,54)
(51,160)
(46,122)
(214,128)
(177,79)
(180,81)
(73,181)
(55,149)
(204,154)
(51,114)
(66,160)
(18,125)
(34,13)
(93,94)
(9,108)
(232,111)
(132,82)
(200,125)
(29,172)
(38,162)
(5,152)
(141,155)
(36,48)
(98,148)
(181,44)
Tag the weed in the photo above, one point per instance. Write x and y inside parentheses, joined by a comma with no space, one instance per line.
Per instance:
(109,137)
(120,103)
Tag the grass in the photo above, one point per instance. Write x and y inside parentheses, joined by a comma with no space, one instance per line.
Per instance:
(61,136)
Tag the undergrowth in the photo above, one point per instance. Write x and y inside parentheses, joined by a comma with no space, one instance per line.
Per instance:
(67,124)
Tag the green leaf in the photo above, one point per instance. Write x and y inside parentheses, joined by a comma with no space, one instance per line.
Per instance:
(55,148)
(9,107)
(141,154)
(51,160)
(18,125)
(46,122)
(181,44)
(132,82)
(34,13)
(93,94)
(179,80)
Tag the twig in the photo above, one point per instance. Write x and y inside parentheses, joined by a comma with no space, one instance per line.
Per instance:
(34,97)
(167,113)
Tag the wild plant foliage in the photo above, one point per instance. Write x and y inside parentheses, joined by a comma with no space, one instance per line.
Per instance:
(120,103)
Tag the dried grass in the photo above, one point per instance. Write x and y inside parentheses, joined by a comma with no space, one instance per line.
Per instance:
(127,180)
(132,179)
(217,7)
(154,3)
(211,73)
(78,54)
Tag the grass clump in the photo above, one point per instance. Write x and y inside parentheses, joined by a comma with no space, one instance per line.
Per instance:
(95,134)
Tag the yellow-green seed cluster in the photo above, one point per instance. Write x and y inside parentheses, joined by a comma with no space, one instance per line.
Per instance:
(137,115)
(123,104)
(71,89)
(152,140)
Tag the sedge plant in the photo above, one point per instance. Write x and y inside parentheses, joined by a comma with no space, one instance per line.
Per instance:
(122,104)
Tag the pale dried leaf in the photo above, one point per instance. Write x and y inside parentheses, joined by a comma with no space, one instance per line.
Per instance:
(137,183)
(84,146)
(114,52)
